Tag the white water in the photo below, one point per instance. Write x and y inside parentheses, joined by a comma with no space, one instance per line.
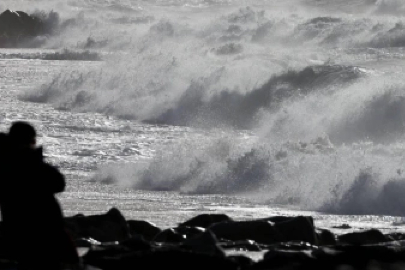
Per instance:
(260,108)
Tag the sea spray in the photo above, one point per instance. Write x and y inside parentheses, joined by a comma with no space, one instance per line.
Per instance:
(329,158)
(355,179)
(311,101)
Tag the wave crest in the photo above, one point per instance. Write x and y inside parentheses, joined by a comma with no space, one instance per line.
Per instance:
(196,106)
(366,196)
(215,167)
(381,119)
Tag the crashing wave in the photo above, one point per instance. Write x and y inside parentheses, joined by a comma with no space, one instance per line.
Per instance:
(367,196)
(239,110)
(226,108)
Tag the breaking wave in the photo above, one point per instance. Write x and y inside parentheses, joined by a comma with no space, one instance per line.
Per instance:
(94,27)
(240,110)
(299,108)
(196,107)
(335,144)
(211,168)
(367,195)
(355,179)
(395,7)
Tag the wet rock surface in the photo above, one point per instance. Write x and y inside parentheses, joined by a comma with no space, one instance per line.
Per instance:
(285,242)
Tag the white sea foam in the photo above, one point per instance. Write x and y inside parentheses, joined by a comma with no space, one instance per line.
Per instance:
(297,102)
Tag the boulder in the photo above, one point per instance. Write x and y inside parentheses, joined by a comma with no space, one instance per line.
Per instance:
(205,220)
(358,257)
(178,235)
(245,245)
(204,243)
(287,256)
(300,228)
(264,231)
(395,236)
(107,227)
(325,237)
(86,242)
(277,219)
(190,232)
(372,236)
(173,258)
(305,256)
(107,251)
(243,261)
(169,236)
(136,243)
(146,229)
(343,226)
(260,231)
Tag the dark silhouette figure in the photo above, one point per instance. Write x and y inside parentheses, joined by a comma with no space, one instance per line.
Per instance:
(32,220)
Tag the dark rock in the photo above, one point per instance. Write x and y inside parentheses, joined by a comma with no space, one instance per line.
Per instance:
(245,245)
(136,243)
(205,220)
(98,254)
(243,261)
(299,228)
(190,232)
(178,235)
(86,242)
(277,219)
(108,227)
(395,236)
(304,256)
(287,256)
(8,264)
(204,243)
(264,231)
(146,229)
(169,236)
(372,236)
(358,257)
(290,242)
(260,231)
(163,259)
(325,237)
(343,227)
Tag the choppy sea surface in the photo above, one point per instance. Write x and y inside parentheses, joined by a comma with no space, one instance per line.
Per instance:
(248,108)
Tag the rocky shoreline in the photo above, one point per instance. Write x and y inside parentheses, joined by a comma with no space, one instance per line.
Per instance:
(206,242)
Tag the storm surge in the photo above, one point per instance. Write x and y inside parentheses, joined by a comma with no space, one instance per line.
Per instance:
(303,107)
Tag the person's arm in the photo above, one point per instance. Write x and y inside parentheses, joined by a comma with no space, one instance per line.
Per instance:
(52,180)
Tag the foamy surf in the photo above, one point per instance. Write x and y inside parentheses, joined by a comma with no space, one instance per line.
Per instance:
(294,103)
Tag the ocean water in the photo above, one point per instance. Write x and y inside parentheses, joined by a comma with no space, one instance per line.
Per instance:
(249,108)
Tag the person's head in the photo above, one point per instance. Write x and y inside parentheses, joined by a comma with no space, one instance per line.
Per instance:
(23,134)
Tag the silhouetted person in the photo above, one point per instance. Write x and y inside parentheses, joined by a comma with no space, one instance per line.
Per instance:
(32,219)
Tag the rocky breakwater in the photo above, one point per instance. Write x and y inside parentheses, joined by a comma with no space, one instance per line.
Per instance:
(205,242)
